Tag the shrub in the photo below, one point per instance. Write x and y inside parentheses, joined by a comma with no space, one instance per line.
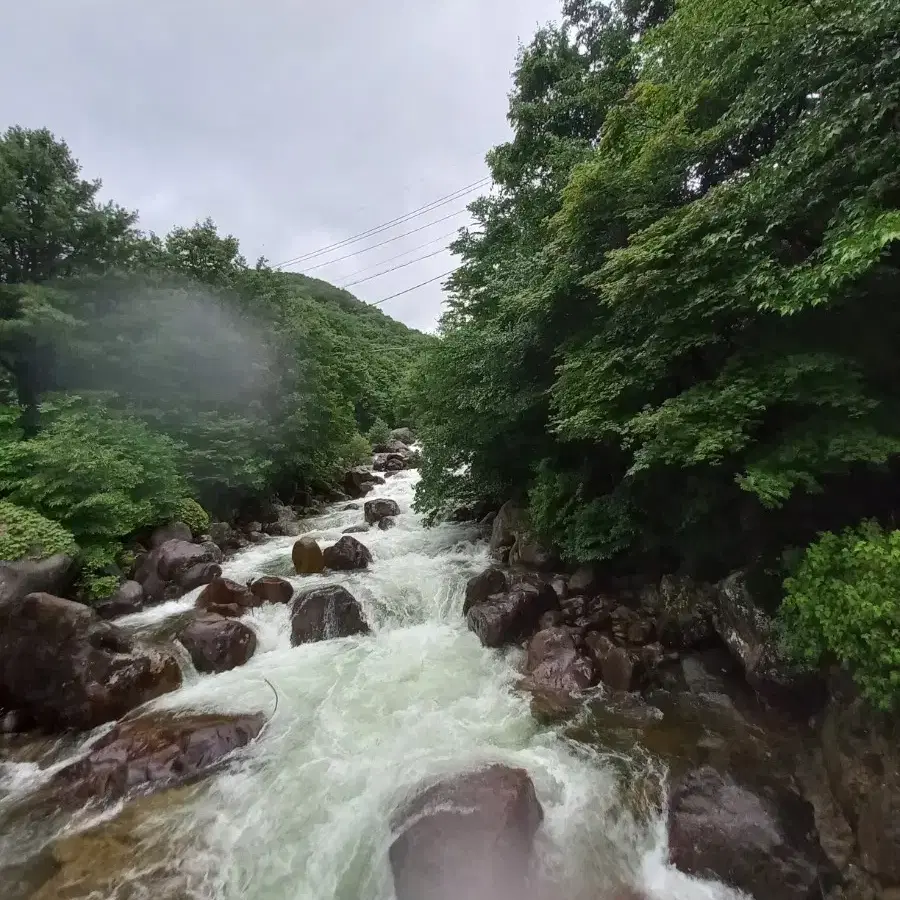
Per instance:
(100,474)
(100,572)
(358,451)
(26,534)
(843,600)
(379,433)
(193,515)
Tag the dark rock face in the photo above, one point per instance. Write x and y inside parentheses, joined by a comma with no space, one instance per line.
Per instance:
(510,520)
(53,575)
(67,668)
(389,462)
(348,553)
(281,520)
(360,481)
(387,523)
(512,542)
(617,669)
(227,598)
(156,752)
(749,634)
(307,557)
(761,842)
(555,665)
(129,598)
(506,617)
(466,836)
(174,531)
(684,611)
(861,752)
(224,536)
(375,510)
(197,576)
(173,561)
(324,613)
(585,581)
(479,587)
(217,644)
(270,589)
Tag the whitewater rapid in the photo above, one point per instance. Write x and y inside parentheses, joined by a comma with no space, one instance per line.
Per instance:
(303,813)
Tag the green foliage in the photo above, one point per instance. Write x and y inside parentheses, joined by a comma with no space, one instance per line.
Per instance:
(101,474)
(358,452)
(99,575)
(25,534)
(379,433)
(843,602)
(193,515)
(673,326)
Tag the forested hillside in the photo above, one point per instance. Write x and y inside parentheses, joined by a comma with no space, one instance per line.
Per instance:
(674,331)
(141,373)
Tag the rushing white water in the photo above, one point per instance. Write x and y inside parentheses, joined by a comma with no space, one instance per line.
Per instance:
(303,813)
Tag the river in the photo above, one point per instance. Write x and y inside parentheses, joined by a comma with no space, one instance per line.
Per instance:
(302,814)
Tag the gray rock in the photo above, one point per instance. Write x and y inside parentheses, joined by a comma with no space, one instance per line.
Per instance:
(53,575)
(129,598)
(324,613)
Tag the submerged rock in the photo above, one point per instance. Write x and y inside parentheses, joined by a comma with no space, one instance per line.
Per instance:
(468,836)
(376,510)
(155,752)
(307,556)
(270,589)
(324,613)
(348,553)
(217,644)
(386,523)
(759,841)
(357,529)
(67,668)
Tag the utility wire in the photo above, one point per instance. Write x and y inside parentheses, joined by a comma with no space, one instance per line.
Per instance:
(381,262)
(459,212)
(441,201)
(393,268)
(415,287)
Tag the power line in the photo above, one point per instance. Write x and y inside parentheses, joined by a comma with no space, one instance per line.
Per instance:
(381,262)
(441,201)
(459,212)
(415,287)
(393,268)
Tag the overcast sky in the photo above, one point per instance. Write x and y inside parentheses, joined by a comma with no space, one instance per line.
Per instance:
(294,124)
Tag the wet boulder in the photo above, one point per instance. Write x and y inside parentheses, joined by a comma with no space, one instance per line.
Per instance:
(324,613)
(156,752)
(347,554)
(506,617)
(360,481)
(199,575)
(750,636)
(306,555)
(227,598)
(128,598)
(554,664)
(387,523)
(53,575)
(357,529)
(468,835)
(509,521)
(172,561)
(224,536)
(617,669)
(174,531)
(481,586)
(281,521)
(217,644)
(376,510)
(684,611)
(389,462)
(67,668)
(760,841)
(271,589)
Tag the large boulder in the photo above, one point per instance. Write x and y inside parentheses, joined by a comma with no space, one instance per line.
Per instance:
(347,554)
(389,462)
(360,481)
(227,598)
(128,598)
(481,586)
(307,556)
(761,841)
(510,520)
(469,835)
(282,521)
(224,536)
(861,752)
(404,435)
(555,665)
(271,589)
(174,531)
(511,540)
(67,668)
(324,613)
(751,638)
(156,752)
(53,575)
(217,644)
(376,510)
(506,617)
(586,581)
(174,562)
(199,575)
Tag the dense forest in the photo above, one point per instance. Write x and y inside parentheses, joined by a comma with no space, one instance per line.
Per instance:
(673,336)
(144,375)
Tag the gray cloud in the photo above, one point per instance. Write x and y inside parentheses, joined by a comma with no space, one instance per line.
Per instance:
(293,124)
